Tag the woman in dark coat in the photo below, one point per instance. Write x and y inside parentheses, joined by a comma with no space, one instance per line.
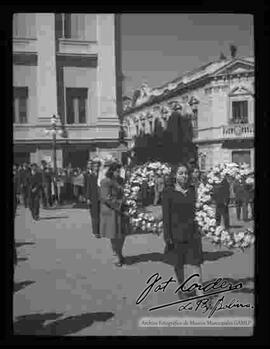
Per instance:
(111,211)
(180,229)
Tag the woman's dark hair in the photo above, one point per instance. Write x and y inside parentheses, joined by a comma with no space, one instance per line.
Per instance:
(113,167)
(172,177)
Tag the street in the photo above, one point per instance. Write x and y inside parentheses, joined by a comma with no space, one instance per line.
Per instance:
(66,282)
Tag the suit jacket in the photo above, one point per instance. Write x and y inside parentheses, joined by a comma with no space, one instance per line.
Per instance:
(111,198)
(91,188)
(221,193)
(179,215)
(35,182)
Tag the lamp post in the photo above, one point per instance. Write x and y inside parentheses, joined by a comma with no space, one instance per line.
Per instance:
(54,131)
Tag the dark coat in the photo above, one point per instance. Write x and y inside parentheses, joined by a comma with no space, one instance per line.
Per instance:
(46,177)
(35,183)
(239,190)
(221,193)
(91,187)
(111,199)
(179,215)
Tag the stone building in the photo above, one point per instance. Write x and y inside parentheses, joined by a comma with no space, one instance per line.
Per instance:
(65,65)
(219,99)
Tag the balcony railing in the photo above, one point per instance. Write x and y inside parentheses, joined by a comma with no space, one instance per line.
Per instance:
(238,131)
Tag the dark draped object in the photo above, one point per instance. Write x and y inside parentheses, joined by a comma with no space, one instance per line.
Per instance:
(173,144)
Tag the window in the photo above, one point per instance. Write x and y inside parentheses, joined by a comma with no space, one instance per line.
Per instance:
(76,99)
(241,156)
(240,111)
(74,25)
(24,25)
(20,97)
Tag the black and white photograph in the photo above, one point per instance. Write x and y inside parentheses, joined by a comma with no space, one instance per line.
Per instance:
(133,174)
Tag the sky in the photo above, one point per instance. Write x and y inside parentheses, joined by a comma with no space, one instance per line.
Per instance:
(157,48)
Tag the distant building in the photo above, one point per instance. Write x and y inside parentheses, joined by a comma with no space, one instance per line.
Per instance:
(218,97)
(65,64)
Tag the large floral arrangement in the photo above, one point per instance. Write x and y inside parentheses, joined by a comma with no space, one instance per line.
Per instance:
(205,214)
(144,221)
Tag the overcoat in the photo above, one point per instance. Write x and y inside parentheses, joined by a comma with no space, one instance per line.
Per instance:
(178,215)
(111,215)
(92,194)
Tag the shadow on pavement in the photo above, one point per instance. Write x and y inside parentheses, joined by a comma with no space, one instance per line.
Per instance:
(170,258)
(17,286)
(56,217)
(213,256)
(34,324)
(22,243)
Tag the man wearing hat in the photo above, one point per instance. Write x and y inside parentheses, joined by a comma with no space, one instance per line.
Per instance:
(92,193)
(35,185)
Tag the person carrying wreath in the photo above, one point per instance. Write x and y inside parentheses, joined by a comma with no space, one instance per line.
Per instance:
(181,233)
(112,219)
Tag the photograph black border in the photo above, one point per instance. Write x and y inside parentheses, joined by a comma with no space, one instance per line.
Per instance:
(260,11)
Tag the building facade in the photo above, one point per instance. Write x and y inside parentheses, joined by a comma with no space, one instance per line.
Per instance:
(65,65)
(218,97)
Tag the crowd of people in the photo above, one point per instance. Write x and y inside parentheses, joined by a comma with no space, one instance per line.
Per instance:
(101,188)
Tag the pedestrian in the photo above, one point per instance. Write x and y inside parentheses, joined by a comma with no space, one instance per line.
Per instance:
(239,192)
(112,221)
(158,188)
(250,186)
(34,191)
(195,178)
(144,193)
(16,189)
(59,186)
(69,185)
(221,197)
(181,232)
(92,195)
(24,176)
(248,196)
(46,190)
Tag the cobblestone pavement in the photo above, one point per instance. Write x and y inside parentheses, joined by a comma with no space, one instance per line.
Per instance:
(66,283)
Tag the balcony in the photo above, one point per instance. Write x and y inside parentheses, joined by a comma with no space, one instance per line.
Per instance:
(77,47)
(24,45)
(238,131)
(228,132)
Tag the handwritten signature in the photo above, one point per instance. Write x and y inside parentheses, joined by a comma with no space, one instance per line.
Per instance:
(203,302)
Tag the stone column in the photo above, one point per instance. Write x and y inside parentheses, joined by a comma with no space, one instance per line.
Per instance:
(106,70)
(46,69)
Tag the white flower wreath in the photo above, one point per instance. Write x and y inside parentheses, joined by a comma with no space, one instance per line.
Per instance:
(205,214)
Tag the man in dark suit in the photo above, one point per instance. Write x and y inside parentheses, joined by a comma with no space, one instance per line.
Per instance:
(239,192)
(46,186)
(92,194)
(24,175)
(35,184)
(221,196)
